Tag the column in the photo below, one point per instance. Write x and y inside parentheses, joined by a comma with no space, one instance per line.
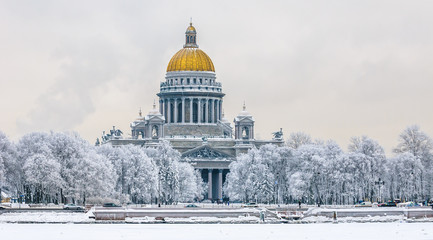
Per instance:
(198,110)
(220,184)
(183,110)
(190,110)
(220,107)
(212,111)
(169,110)
(165,110)
(161,110)
(206,115)
(216,110)
(209,192)
(175,111)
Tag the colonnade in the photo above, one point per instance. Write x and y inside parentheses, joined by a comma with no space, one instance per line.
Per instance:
(191,110)
(219,184)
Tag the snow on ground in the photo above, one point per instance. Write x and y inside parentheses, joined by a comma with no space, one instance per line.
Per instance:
(241,219)
(45,217)
(324,231)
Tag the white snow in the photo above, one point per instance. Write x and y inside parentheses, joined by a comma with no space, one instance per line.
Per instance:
(45,217)
(344,231)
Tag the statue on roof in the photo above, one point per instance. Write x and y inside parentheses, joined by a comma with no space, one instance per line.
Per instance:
(278,135)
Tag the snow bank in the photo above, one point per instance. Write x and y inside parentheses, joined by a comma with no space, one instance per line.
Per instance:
(45,217)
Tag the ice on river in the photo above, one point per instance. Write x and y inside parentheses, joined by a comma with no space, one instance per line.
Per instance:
(345,231)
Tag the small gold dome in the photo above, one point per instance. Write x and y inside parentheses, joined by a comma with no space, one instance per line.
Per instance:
(190,59)
(191,28)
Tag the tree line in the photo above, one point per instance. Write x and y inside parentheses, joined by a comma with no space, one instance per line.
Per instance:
(62,167)
(319,172)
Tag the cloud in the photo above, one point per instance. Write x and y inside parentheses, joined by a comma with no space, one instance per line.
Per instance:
(334,69)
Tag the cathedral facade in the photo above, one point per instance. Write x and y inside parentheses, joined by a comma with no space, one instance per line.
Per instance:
(191,117)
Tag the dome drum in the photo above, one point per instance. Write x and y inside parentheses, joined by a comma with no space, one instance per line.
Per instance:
(191,81)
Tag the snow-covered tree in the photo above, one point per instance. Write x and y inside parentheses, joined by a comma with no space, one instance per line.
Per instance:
(190,183)
(370,162)
(404,179)
(42,176)
(82,171)
(307,179)
(235,186)
(412,140)
(173,176)
(298,139)
(7,163)
(140,175)
(259,175)
(416,142)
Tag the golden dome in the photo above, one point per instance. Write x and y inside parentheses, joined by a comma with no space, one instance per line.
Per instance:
(190,28)
(190,59)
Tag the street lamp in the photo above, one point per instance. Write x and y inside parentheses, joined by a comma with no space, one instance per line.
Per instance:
(379,183)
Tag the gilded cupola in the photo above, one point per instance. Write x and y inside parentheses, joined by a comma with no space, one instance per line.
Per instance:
(190,57)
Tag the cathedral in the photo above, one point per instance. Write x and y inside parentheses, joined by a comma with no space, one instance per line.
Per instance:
(191,117)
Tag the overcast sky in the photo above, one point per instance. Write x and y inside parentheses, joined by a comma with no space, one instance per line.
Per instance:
(332,69)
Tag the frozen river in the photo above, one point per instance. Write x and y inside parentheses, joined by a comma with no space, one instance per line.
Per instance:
(217,231)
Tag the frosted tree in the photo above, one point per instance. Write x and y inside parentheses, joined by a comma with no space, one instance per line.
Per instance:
(370,165)
(313,173)
(416,142)
(82,171)
(404,177)
(306,181)
(190,183)
(420,145)
(86,174)
(4,155)
(42,176)
(235,186)
(28,146)
(298,139)
(143,174)
(259,175)
(167,163)
(276,161)
(118,158)
(140,175)
(8,168)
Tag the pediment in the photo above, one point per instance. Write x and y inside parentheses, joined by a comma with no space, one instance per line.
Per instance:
(138,124)
(204,151)
(246,119)
(155,118)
